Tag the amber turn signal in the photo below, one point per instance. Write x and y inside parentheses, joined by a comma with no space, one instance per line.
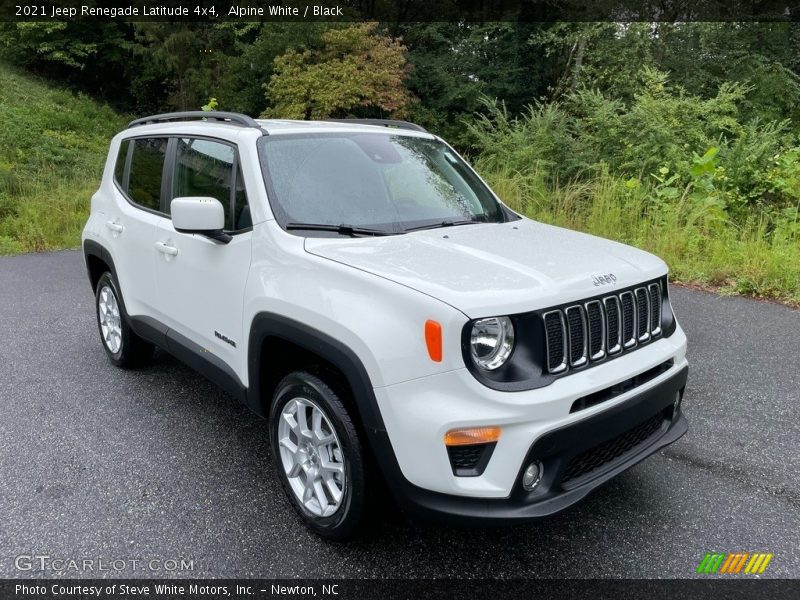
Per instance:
(433,339)
(471,435)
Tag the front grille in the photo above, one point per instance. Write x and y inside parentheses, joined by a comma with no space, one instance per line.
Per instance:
(642,315)
(655,309)
(577,336)
(582,333)
(594,318)
(556,341)
(603,454)
(628,319)
(613,329)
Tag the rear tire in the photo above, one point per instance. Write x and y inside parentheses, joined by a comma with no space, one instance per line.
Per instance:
(318,455)
(123,347)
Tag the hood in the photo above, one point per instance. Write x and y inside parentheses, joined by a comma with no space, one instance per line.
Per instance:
(496,268)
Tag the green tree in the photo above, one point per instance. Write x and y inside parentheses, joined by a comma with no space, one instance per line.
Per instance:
(765,56)
(355,70)
(455,64)
(698,57)
(185,60)
(250,59)
(89,55)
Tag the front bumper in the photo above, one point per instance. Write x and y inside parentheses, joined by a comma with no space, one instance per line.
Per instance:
(558,449)
(536,425)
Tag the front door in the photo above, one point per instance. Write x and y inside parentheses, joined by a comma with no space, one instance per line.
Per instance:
(201,282)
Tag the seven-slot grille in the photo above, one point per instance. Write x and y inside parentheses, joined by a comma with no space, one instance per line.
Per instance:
(581,333)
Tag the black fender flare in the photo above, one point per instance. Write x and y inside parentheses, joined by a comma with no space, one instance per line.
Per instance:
(92,248)
(339,355)
(265,325)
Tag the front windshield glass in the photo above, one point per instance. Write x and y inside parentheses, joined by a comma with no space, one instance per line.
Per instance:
(383,182)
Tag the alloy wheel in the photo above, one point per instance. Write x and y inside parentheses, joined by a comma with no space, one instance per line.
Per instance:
(110,321)
(312,457)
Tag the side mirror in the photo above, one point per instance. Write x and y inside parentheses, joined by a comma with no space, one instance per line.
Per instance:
(199,215)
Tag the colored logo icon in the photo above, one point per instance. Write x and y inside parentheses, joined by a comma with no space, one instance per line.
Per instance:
(750,563)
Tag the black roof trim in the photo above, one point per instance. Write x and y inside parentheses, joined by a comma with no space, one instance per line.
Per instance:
(383,123)
(211,115)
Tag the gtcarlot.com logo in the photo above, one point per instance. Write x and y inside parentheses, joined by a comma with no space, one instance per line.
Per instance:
(732,563)
(45,562)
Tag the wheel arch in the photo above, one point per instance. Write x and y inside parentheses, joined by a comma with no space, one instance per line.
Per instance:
(275,335)
(98,261)
(271,332)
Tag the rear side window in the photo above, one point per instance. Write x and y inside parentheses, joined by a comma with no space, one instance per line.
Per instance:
(206,168)
(147,168)
(119,167)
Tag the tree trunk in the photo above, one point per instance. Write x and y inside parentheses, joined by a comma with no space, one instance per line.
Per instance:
(576,67)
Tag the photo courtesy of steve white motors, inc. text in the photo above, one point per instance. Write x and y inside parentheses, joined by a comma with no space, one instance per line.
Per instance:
(189,10)
(173,589)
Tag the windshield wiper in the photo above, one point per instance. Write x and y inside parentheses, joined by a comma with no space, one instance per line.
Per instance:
(342,229)
(445,223)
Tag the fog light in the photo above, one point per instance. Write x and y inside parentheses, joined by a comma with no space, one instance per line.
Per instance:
(532,476)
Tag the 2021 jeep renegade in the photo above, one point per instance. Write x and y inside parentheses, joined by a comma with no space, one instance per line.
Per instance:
(361,287)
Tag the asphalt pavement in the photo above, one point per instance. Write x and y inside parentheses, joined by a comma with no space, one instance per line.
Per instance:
(158,465)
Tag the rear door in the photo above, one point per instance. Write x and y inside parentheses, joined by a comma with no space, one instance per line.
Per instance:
(201,282)
(132,221)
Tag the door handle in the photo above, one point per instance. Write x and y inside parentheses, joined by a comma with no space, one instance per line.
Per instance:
(114,226)
(166,249)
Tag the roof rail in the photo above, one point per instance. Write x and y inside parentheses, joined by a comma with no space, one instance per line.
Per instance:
(210,115)
(382,122)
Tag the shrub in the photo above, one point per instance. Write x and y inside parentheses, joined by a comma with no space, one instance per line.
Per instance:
(681,176)
(755,167)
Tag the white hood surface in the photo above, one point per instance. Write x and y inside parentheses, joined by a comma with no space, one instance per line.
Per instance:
(495,268)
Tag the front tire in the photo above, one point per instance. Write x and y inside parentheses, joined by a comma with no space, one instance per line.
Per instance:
(318,455)
(123,347)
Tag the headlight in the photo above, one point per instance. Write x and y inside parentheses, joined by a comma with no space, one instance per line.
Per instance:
(491,342)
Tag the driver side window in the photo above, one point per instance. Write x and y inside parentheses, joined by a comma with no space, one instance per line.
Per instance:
(208,168)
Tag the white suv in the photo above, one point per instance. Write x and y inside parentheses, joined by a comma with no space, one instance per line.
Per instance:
(361,287)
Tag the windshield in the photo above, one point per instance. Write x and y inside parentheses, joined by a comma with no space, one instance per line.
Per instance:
(387,183)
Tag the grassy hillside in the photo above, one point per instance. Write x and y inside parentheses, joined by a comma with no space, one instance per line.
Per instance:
(52,150)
